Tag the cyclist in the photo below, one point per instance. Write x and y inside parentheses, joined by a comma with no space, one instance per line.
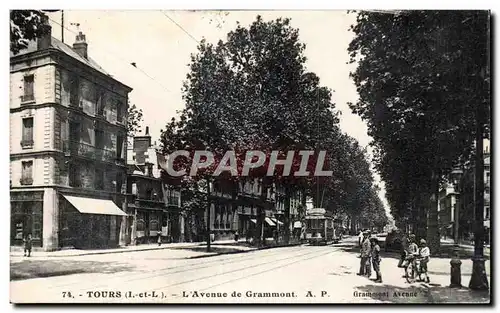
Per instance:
(412,251)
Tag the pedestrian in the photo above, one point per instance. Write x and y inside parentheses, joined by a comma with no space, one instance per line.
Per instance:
(236,236)
(376,259)
(412,252)
(27,245)
(364,266)
(360,238)
(368,264)
(159,238)
(425,254)
(404,250)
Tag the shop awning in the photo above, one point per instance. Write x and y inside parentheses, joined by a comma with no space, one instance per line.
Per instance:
(95,206)
(297,224)
(276,221)
(253,220)
(315,217)
(270,222)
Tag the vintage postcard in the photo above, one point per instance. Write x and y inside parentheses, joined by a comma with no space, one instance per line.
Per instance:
(250,156)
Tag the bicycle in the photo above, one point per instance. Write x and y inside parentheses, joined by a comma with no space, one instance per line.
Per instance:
(413,270)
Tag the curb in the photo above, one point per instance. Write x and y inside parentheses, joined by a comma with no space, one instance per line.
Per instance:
(157,248)
(107,252)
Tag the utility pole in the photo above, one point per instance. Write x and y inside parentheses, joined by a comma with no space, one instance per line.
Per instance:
(209,207)
(62,26)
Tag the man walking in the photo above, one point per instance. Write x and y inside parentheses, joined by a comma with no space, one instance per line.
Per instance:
(376,260)
(27,245)
(365,266)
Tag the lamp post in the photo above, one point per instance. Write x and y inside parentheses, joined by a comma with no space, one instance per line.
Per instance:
(457,175)
(479,280)
(456,263)
(209,208)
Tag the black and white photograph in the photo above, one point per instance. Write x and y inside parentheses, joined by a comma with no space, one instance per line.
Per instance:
(250,156)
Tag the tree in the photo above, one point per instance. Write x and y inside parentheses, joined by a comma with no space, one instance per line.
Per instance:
(134,120)
(25,26)
(420,77)
(253,92)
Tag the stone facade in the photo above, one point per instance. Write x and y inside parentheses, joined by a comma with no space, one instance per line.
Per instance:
(67,137)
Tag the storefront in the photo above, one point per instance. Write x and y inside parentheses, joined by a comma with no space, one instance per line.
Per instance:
(87,223)
(149,225)
(245,225)
(26,217)
(222,220)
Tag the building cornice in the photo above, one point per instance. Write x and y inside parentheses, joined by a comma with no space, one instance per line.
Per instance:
(66,189)
(53,152)
(69,108)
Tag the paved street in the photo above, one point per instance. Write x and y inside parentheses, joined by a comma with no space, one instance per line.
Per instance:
(292,274)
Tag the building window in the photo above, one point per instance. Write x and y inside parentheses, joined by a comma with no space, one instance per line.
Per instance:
(99,102)
(28,88)
(119,182)
(119,112)
(229,219)
(99,179)
(74,175)
(173,197)
(119,146)
(487,213)
(99,139)
(27,173)
(149,194)
(74,99)
(217,217)
(27,135)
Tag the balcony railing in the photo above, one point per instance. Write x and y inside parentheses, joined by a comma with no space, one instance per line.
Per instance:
(27,98)
(27,143)
(173,201)
(26,181)
(75,148)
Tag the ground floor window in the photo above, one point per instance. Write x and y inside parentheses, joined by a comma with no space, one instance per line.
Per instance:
(26,218)
(148,224)
(86,231)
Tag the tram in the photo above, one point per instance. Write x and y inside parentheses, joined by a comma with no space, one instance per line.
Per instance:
(320,227)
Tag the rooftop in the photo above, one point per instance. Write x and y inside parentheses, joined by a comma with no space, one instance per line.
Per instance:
(68,50)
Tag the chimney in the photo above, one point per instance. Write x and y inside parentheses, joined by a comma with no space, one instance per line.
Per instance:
(44,41)
(80,45)
(140,146)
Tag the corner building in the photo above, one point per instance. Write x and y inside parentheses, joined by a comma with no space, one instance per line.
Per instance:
(67,147)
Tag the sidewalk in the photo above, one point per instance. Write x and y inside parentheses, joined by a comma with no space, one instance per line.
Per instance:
(229,244)
(438,290)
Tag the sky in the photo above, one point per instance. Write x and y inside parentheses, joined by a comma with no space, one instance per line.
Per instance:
(160,43)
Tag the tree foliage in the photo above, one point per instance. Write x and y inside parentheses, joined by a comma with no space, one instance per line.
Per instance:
(421,76)
(26,25)
(134,120)
(253,91)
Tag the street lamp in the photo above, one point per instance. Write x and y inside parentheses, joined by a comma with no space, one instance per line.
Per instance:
(456,176)
(455,271)
(209,209)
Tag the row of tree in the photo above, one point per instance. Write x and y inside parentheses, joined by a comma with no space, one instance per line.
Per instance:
(253,92)
(423,84)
